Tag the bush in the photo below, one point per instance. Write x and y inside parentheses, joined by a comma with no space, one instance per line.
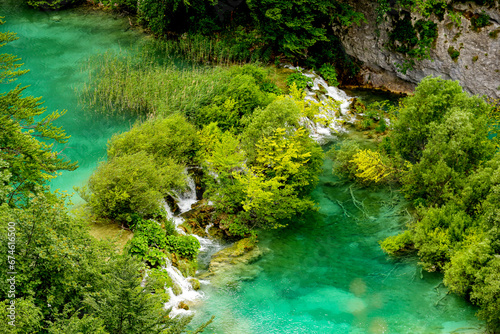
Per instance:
(329,73)
(397,244)
(186,246)
(482,20)
(342,154)
(300,80)
(168,138)
(454,54)
(132,184)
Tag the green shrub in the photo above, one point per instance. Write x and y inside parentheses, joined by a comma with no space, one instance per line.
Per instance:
(53,4)
(482,20)
(397,244)
(300,80)
(149,241)
(329,73)
(341,154)
(164,138)
(454,54)
(381,126)
(186,246)
(132,184)
(494,34)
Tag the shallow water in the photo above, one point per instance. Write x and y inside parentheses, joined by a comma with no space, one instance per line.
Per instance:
(54,46)
(327,274)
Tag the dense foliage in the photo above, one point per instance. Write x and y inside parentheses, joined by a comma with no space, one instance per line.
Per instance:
(57,277)
(53,4)
(132,184)
(260,163)
(252,30)
(443,150)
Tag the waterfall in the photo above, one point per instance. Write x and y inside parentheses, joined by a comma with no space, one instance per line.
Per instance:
(184,201)
(187,292)
(319,132)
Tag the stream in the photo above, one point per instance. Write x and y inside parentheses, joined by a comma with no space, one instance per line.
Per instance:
(326,274)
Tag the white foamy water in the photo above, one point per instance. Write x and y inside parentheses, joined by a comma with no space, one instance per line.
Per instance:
(187,294)
(320,133)
(208,247)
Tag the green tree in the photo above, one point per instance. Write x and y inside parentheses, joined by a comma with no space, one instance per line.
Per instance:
(57,261)
(276,184)
(164,138)
(292,27)
(132,184)
(27,144)
(419,114)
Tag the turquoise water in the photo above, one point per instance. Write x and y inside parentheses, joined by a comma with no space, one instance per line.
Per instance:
(327,274)
(54,46)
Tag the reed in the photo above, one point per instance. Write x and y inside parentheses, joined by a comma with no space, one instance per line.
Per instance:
(139,85)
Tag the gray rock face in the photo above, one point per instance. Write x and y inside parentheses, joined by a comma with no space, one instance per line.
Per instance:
(477,67)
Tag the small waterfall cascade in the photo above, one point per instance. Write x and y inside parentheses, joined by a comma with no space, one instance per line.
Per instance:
(319,132)
(187,293)
(208,247)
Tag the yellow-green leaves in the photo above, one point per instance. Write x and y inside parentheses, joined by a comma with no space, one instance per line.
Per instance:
(370,166)
(272,183)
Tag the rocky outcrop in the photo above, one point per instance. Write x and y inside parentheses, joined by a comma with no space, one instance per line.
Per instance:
(460,52)
(234,264)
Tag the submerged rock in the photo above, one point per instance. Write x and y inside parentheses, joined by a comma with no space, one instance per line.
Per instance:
(233,263)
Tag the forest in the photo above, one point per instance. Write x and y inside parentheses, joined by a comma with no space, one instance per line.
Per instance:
(214,110)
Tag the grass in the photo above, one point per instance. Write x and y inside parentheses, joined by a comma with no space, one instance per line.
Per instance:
(103,229)
(140,86)
(156,83)
(107,230)
(216,50)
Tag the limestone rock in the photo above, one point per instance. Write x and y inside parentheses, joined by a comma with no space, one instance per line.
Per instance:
(477,67)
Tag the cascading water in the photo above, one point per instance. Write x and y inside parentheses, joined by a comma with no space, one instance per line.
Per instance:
(319,132)
(208,247)
(186,199)
(187,293)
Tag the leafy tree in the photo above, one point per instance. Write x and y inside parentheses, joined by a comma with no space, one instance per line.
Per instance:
(242,96)
(132,184)
(178,15)
(370,166)
(421,113)
(281,113)
(342,155)
(285,168)
(292,27)
(171,138)
(127,307)
(25,143)
(223,157)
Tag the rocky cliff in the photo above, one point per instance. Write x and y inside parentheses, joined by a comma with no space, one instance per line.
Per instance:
(465,48)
